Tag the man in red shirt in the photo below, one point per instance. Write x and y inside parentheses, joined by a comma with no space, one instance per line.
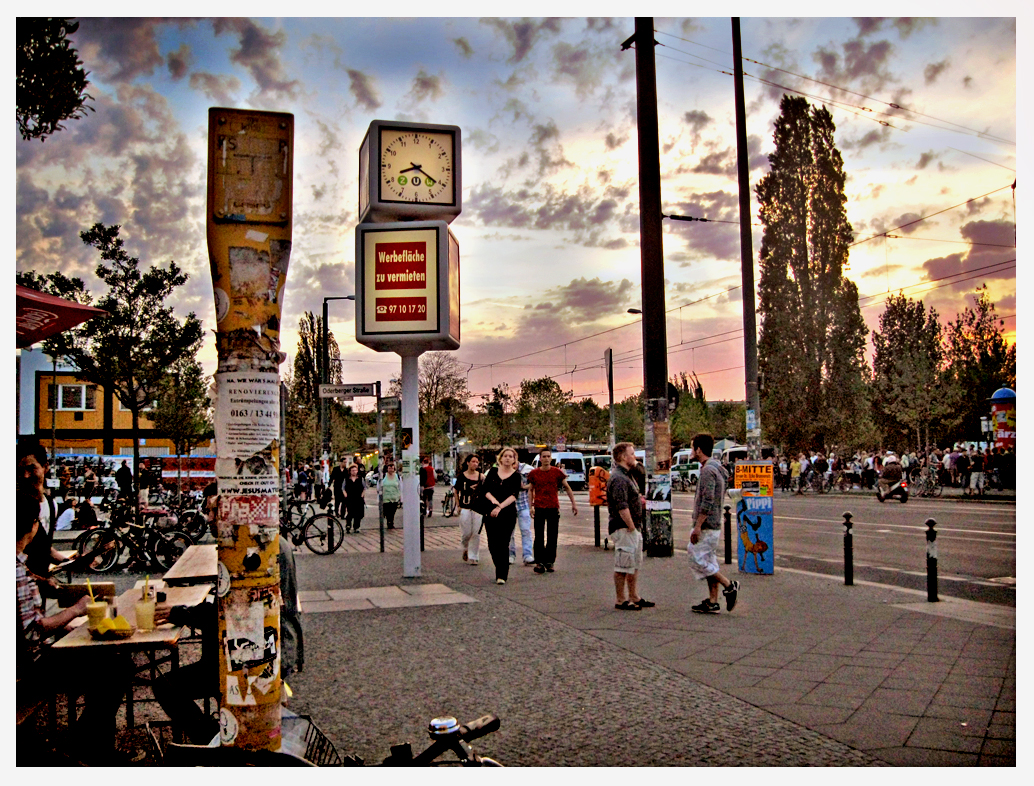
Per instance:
(543,483)
(427,481)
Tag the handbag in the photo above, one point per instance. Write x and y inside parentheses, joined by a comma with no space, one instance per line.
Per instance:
(481,504)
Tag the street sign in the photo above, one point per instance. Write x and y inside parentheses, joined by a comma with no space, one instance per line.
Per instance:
(339,391)
(386,439)
(391,402)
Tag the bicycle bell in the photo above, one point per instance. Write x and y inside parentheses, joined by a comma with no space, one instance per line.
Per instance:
(439,727)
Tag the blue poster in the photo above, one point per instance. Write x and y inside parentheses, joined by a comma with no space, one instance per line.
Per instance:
(754,526)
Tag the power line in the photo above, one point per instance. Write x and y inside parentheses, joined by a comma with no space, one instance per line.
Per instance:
(940,240)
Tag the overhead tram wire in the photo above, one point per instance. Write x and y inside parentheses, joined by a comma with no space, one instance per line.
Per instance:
(890,104)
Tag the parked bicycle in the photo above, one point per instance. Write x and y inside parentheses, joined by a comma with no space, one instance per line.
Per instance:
(449,502)
(322,533)
(447,736)
(145,544)
(926,484)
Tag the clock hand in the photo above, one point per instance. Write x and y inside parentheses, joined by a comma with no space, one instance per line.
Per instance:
(429,180)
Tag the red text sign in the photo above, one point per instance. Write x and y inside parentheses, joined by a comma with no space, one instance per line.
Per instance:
(400,266)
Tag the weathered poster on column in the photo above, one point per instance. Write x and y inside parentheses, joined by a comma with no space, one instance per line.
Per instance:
(247,432)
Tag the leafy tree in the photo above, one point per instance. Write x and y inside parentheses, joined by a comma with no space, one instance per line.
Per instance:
(979,362)
(812,336)
(542,414)
(481,431)
(434,437)
(301,425)
(588,422)
(308,359)
(629,415)
(441,378)
(910,391)
(183,409)
(501,410)
(693,415)
(129,351)
(50,82)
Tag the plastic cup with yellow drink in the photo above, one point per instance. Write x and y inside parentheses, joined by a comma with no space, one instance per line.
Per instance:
(145,608)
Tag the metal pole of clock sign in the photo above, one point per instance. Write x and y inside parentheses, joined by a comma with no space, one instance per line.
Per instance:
(408,272)
(249,218)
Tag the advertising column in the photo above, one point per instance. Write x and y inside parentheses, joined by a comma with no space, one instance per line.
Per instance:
(250,160)
(753,516)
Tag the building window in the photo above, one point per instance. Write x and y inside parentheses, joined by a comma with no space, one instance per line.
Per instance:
(76,398)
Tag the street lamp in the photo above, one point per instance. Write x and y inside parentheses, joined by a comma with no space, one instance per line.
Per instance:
(325,379)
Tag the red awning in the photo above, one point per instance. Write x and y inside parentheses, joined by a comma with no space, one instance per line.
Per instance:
(39,316)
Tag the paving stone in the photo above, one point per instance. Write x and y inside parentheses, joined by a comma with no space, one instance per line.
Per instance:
(925,757)
(899,702)
(974,684)
(846,696)
(325,606)
(972,717)
(955,699)
(313,595)
(868,729)
(943,735)
(859,675)
(811,715)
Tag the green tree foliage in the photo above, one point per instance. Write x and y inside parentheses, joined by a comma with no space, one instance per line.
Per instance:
(50,82)
(182,411)
(501,411)
(542,415)
(481,431)
(980,361)
(812,336)
(308,360)
(629,415)
(588,422)
(129,351)
(910,392)
(693,415)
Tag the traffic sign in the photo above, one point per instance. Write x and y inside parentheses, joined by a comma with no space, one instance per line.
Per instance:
(391,402)
(339,391)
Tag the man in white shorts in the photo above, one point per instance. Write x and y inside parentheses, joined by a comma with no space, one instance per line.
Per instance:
(624,504)
(707,517)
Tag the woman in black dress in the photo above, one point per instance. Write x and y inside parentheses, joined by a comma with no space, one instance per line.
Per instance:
(501,487)
(355,506)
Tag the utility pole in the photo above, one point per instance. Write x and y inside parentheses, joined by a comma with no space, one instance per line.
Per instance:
(608,359)
(657,526)
(750,330)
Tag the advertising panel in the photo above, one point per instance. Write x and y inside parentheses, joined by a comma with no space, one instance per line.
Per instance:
(754,517)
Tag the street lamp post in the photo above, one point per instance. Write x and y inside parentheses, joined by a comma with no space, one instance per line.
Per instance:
(325,379)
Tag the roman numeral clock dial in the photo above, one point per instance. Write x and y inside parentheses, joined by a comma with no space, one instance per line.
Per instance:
(416,166)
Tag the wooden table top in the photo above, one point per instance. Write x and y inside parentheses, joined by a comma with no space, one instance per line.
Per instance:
(163,636)
(197,566)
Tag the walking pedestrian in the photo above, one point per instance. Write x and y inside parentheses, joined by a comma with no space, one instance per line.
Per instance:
(523,520)
(338,475)
(355,506)
(544,501)
(391,493)
(625,509)
(707,522)
(124,478)
(427,481)
(468,487)
(502,485)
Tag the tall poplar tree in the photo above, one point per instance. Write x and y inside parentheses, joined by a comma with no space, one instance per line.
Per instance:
(812,337)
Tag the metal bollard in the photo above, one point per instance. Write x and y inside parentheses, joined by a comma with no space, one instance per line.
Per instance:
(728,535)
(596,522)
(931,561)
(848,551)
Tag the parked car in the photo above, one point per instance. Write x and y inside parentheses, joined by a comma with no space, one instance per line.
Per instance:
(687,467)
(571,463)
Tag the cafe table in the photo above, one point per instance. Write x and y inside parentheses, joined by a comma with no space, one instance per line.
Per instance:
(164,638)
(197,565)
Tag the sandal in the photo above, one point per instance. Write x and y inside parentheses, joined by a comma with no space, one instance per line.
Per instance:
(626,605)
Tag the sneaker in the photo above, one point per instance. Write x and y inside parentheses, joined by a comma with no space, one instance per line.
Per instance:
(540,568)
(464,555)
(730,595)
(472,562)
(512,559)
(707,607)
(529,562)
(643,603)
(549,567)
(500,581)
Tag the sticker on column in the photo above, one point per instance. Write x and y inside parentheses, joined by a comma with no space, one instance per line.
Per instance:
(227,726)
(239,690)
(222,585)
(247,422)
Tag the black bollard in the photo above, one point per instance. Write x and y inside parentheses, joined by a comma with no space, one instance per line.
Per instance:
(848,551)
(931,561)
(728,535)
(596,522)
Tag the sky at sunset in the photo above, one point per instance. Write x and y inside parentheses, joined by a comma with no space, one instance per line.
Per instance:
(549,234)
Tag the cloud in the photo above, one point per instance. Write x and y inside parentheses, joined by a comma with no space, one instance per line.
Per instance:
(121,49)
(933,70)
(926,158)
(361,86)
(258,52)
(697,119)
(999,233)
(178,62)
(425,86)
(550,153)
(464,46)
(859,60)
(222,89)
(613,141)
(523,35)
(584,65)
(703,240)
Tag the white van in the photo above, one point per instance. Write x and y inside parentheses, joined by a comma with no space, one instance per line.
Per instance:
(571,463)
(683,463)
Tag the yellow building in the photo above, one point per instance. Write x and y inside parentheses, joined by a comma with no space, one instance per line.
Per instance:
(77,416)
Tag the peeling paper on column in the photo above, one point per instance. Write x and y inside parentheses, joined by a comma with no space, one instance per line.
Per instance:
(247,426)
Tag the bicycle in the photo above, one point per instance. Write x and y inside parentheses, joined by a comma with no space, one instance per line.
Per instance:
(321,533)
(926,485)
(449,502)
(447,736)
(145,543)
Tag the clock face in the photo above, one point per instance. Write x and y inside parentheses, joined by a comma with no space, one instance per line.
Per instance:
(417,166)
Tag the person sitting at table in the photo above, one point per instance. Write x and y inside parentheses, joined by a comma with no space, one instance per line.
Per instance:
(106,676)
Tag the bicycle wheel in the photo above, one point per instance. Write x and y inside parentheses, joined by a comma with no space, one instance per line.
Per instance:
(168,547)
(193,522)
(323,534)
(936,489)
(104,543)
(449,505)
